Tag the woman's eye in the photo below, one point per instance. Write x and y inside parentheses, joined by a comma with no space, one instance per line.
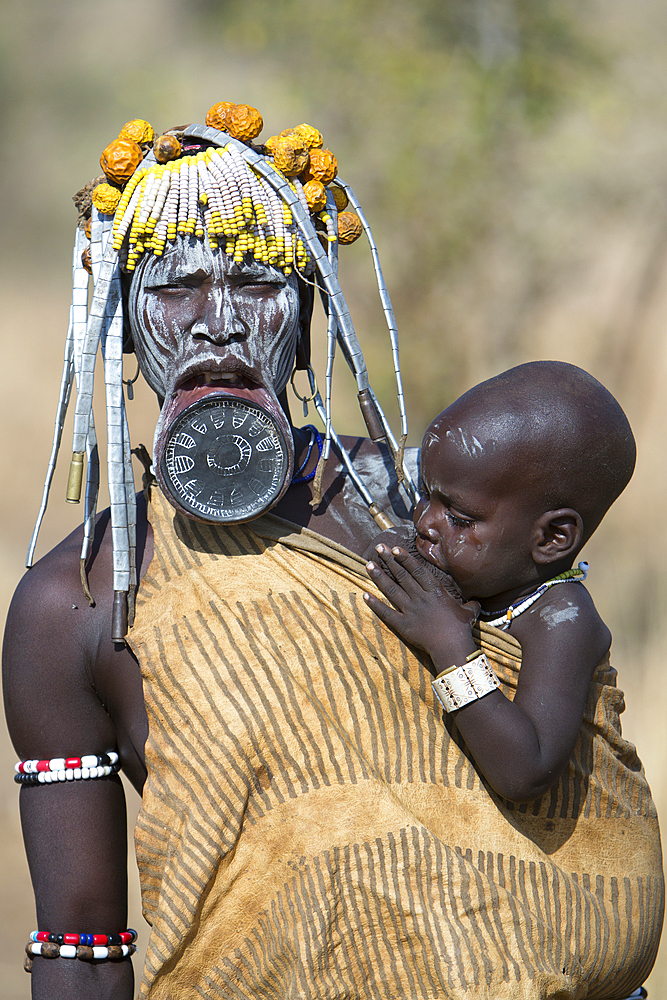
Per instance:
(174,288)
(264,287)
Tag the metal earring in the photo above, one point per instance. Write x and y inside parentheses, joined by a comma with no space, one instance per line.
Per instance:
(129,382)
(305,399)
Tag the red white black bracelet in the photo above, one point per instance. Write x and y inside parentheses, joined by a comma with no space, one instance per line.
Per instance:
(44,772)
(86,947)
(122,937)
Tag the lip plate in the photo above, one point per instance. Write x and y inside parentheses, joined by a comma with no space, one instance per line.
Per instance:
(191,393)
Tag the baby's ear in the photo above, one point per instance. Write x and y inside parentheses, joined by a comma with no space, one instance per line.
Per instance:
(558,534)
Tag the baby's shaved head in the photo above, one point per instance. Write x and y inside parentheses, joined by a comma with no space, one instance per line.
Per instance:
(550,430)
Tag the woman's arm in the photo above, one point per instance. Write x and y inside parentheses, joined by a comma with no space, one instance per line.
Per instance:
(75,832)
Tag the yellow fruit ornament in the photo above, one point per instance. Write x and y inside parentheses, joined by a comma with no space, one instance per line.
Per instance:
(290,155)
(215,116)
(340,198)
(138,131)
(120,159)
(349,227)
(86,260)
(244,122)
(322,166)
(316,195)
(166,147)
(312,138)
(106,198)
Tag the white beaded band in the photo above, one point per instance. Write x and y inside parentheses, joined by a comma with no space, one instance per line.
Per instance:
(33,772)
(96,953)
(458,686)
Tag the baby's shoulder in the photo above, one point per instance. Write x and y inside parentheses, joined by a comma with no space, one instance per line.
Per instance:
(565,617)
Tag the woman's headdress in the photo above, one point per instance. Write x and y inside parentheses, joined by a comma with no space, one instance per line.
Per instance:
(281,202)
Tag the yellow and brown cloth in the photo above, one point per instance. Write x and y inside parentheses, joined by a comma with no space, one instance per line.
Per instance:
(312,827)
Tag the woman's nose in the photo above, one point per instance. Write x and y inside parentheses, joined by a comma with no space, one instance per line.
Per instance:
(217,319)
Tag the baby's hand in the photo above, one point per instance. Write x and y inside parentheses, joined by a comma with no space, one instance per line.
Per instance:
(424,613)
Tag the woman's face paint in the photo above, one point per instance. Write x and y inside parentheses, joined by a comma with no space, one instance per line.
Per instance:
(195,313)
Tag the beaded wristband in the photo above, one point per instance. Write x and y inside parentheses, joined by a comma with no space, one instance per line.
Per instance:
(86,953)
(458,686)
(122,937)
(44,772)
(85,947)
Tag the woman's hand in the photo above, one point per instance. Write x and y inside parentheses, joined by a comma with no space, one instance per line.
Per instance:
(424,611)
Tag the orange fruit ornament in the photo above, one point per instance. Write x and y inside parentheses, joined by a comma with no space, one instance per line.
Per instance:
(244,122)
(310,135)
(349,227)
(106,198)
(86,260)
(340,198)
(316,195)
(322,166)
(166,147)
(120,159)
(290,155)
(215,116)
(270,144)
(139,131)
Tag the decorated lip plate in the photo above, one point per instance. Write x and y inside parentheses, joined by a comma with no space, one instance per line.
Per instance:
(223,455)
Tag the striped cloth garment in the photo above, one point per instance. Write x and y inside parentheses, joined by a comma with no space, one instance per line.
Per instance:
(313,827)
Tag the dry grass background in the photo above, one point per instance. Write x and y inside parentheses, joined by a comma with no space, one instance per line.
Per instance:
(514,165)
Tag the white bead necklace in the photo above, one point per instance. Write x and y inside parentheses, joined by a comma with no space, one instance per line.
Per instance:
(505,619)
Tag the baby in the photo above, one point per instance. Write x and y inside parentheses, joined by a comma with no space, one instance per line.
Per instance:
(516,476)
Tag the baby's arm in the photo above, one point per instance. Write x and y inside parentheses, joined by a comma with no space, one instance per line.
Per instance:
(521,747)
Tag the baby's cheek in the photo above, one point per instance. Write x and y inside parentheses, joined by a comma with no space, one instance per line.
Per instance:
(478,547)
(456,544)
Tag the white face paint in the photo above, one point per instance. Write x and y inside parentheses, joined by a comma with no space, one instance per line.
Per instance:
(195,311)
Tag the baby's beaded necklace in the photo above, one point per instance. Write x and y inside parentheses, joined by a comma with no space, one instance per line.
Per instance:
(505,619)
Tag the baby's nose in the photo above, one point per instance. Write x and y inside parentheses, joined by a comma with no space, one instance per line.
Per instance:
(422,522)
(429,533)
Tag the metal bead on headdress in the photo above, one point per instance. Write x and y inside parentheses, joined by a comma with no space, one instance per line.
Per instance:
(281,203)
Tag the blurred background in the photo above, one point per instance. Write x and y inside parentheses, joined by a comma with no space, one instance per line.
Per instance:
(512,159)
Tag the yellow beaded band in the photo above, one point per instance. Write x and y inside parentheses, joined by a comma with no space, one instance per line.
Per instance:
(157,191)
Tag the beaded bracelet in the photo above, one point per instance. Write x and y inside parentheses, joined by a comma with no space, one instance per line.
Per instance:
(44,772)
(86,953)
(458,686)
(122,937)
(85,947)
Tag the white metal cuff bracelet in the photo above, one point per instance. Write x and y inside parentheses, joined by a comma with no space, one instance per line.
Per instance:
(458,686)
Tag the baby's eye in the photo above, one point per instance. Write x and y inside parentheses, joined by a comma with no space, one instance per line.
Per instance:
(459,522)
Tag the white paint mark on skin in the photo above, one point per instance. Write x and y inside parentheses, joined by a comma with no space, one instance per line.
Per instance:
(554,616)
(470,445)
